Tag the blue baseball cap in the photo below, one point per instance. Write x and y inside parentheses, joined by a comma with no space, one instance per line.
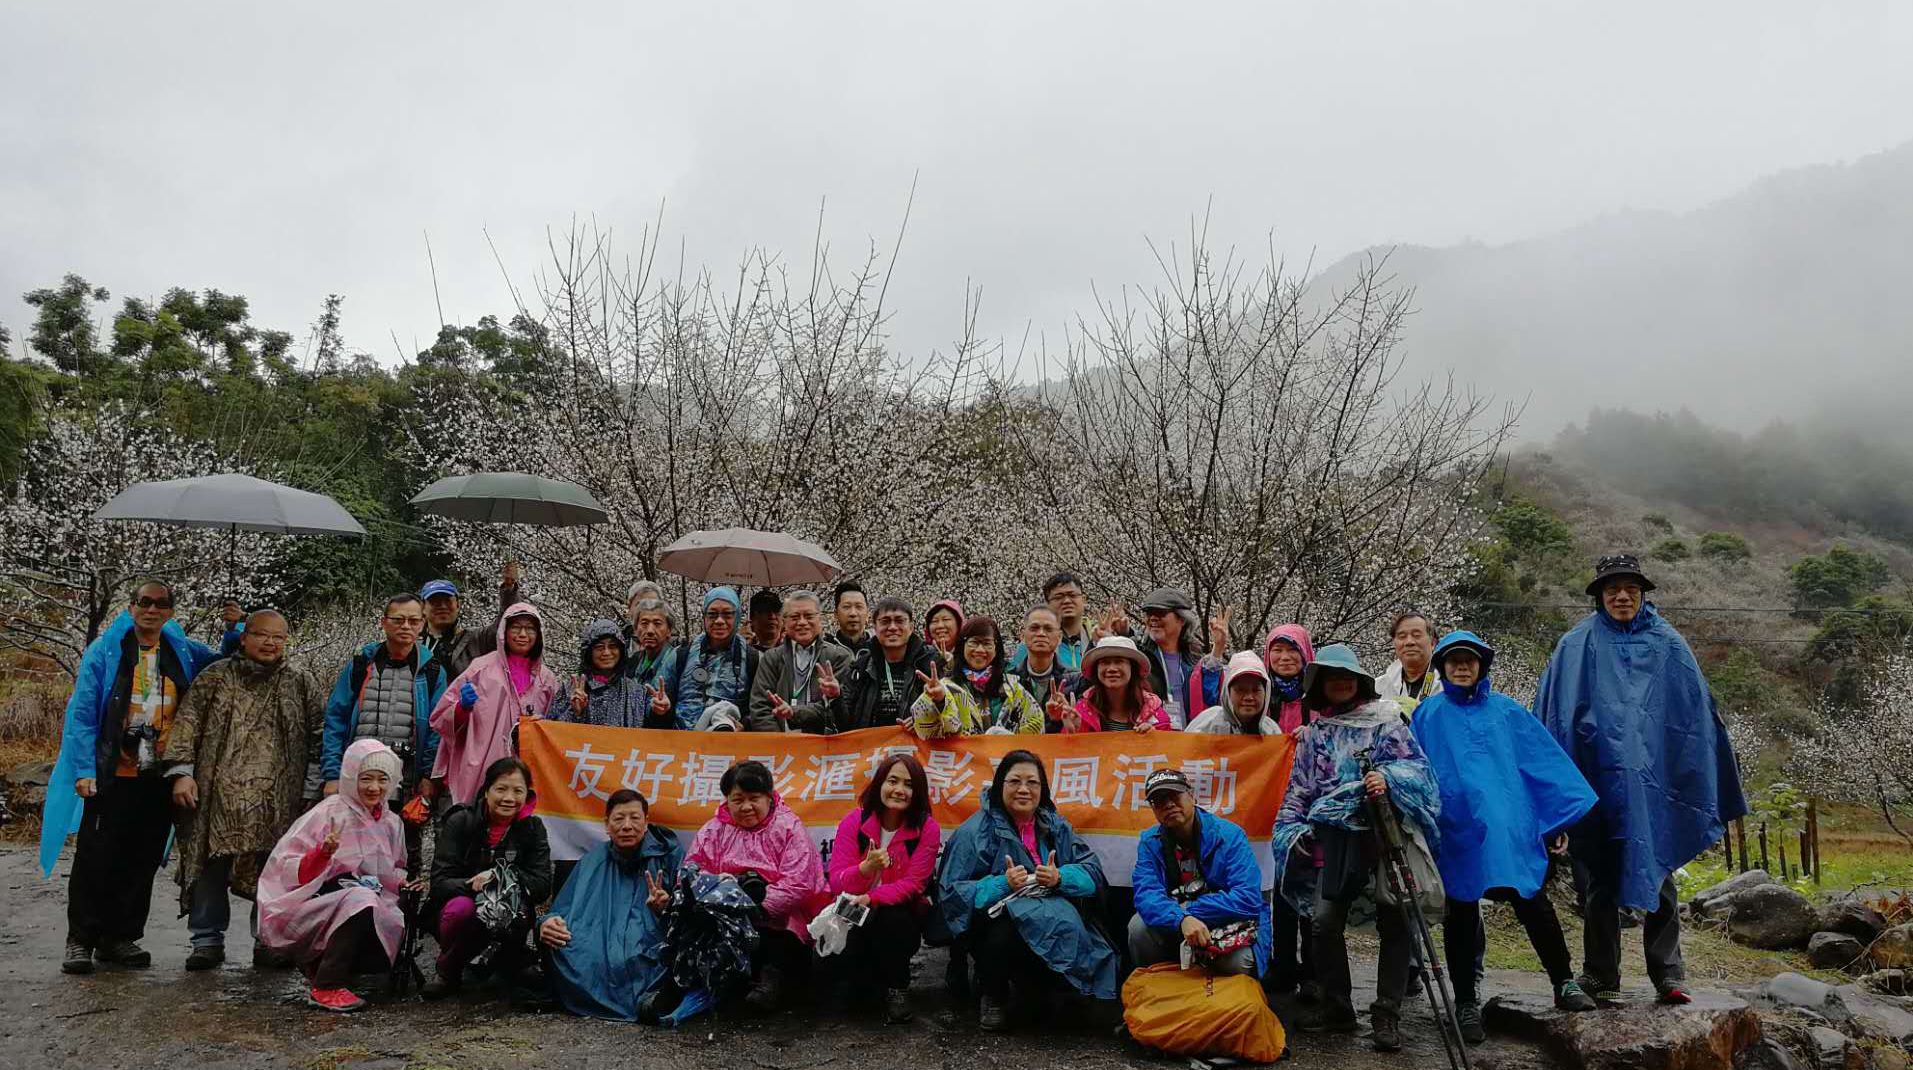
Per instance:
(438,587)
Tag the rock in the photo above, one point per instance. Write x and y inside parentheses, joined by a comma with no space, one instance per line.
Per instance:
(1707,1034)
(1830,1048)
(1771,916)
(1708,899)
(1881,1017)
(1834,951)
(1890,982)
(28,775)
(1768,1054)
(1799,990)
(1894,949)
(1854,918)
(1886,1059)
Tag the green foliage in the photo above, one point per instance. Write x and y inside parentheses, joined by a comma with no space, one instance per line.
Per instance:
(1873,626)
(1724,546)
(1658,523)
(1533,533)
(1671,550)
(23,389)
(1782,808)
(1837,578)
(63,330)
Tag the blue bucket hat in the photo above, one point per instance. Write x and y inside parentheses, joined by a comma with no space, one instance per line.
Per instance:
(1463,640)
(1337,657)
(438,587)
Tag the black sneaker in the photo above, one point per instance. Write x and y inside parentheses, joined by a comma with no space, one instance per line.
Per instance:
(126,953)
(79,959)
(1332,1020)
(1468,1020)
(896,1006)
(1569,997)
(265,958)
(992,1016)
(206,958)
(1387,1032)
(1603,992)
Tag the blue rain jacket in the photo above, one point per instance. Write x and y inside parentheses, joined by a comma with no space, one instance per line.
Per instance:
(1052,926)
(86,712)
(1228,867)
(1506,786)
(614,957)
(1630,706)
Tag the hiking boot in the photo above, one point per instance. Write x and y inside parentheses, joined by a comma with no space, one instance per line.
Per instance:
(1672,994)
(1386,1034)
(1309,992)
(79,959)
(206,958)
(1331,1020)
(992,1016)
(1568,996)
(896,1006)
(1601,992)
(1468,1020)
(126,953)
(336,1000)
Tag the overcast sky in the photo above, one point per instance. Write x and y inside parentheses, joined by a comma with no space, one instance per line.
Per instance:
(288,151)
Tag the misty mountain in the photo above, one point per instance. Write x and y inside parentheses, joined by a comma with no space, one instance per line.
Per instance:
(1786,300)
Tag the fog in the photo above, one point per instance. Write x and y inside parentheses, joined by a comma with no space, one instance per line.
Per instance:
(285,154)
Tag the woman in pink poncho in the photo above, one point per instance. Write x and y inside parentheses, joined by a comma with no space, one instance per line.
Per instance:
(478,715)
(329,895)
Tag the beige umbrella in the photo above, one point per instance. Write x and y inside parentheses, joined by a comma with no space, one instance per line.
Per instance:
(756,558)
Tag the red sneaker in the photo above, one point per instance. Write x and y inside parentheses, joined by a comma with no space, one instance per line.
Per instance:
(337,1000)
(1675,995)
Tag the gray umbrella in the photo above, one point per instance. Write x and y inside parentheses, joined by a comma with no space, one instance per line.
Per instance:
(233,503)
(511,498)
(740,555)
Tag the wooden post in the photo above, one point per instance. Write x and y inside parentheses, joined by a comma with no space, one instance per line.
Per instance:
(1763,848)
(1740,833)
(1780,843)
(1813,834)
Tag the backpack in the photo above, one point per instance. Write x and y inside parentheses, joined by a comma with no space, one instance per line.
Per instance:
(1195,1013)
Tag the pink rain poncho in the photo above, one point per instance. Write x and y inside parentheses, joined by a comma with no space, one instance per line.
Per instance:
(293,916)
(780,848)
(471,740)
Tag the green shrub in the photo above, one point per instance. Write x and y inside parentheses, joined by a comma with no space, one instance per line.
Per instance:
(1671,550)
(1724,546)
(1658,523)
(1837,578)
(1532,532)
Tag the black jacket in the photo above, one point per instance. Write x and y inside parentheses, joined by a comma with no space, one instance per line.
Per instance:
(463,854)
(863,686)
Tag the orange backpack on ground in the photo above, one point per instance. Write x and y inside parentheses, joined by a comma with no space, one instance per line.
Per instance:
(1196,1013)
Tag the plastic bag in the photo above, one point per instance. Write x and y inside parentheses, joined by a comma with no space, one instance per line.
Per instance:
(830,929)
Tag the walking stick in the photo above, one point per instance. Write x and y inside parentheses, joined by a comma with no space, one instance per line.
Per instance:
(1407,891)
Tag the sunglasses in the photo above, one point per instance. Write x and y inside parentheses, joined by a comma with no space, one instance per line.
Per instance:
(146,602)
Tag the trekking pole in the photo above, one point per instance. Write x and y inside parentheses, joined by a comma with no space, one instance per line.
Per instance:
(1401,880)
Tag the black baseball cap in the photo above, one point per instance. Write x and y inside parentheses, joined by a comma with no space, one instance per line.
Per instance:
(1165,780)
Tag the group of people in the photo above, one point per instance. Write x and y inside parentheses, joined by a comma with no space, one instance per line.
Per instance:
(396,798)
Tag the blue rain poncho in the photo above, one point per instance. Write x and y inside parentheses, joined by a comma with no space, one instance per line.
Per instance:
(1506,785)
(1052,926)
(616,951)
(1630,706)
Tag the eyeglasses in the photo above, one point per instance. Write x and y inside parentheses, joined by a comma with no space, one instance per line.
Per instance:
(267,637)
(404,622)
(145,602)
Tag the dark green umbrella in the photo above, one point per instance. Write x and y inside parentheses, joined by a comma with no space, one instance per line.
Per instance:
(511,498)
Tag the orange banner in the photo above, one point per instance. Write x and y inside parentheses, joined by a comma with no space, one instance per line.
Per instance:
(1096,780)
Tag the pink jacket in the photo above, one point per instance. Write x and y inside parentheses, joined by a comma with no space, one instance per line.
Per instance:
(781,849)
(470,740)
(913,858)
(1290,715)
(293,916)
(1153,711)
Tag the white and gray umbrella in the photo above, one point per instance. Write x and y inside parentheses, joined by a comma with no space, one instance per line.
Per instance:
(232,503)
(511,498)
(757,558)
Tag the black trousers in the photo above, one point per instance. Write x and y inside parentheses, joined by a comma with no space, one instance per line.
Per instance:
(122,841)
(1464,938)
(1601,930)
(1293,960)
(1003,959)
(353,948)
(880,948)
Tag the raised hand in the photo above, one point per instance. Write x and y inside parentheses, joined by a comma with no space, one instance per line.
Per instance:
(467,695)
(875,861)
(231,613)
(1015,874)
(1072,721)
(579,697)
(511,574)
(660,705)
(827,684)
(1049,874)
(330,844)
(1219,632)
(932,687)
(1058,706)
(659,897)
(779,708)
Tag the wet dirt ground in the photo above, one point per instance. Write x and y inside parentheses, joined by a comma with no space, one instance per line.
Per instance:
(238,1017)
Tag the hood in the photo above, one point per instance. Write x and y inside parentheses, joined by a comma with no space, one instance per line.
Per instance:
(950,604)
(1460,640)
(1297,636)
(601,628)
(349,766)
(523,609)
(777,814)
(1241,663)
